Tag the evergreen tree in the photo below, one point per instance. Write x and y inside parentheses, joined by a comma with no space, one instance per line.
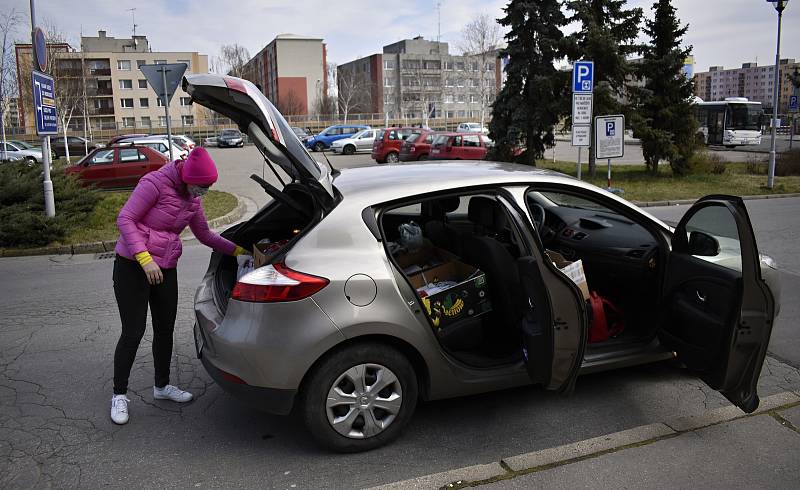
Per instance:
(536,94)
(607,36)
(664,118)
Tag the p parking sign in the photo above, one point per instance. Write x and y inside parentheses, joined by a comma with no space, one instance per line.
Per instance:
(793,104)
(609,136)
(583,77)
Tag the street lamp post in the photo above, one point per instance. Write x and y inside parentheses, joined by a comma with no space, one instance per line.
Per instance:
(779,5)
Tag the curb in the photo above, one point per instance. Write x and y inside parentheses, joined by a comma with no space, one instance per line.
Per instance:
(522,464)
(109,245)
(649,204)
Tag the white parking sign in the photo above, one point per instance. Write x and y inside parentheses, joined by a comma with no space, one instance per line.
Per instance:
(609,136)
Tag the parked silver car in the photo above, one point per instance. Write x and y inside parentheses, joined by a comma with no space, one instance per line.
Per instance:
(387,285)
(26,152)
(361,141)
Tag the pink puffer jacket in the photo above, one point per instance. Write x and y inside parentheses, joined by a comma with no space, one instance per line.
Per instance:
(155,215)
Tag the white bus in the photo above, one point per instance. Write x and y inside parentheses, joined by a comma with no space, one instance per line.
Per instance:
(734,121)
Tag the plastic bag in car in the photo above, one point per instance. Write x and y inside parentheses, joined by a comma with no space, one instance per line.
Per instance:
(410,236)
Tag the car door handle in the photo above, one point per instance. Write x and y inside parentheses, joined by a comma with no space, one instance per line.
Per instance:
(701,297)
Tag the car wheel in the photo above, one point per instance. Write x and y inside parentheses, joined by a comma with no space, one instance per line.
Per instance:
(392,157)
(349,150)
(359,398)
(30,161)
(318,146)
(424,156)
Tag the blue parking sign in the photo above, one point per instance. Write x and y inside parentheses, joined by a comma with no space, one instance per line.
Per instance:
(793,106)
(611,128)
(583,77)
(44,104)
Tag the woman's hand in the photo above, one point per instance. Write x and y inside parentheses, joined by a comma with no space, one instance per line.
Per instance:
(153,273)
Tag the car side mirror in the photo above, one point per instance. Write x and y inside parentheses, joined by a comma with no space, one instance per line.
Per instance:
(703,244)
(86,163)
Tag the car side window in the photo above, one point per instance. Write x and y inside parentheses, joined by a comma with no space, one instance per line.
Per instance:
(73,139)
(393,135)
(102,157)
(456,141)
(130,155)
(333,132)
(429,139)
(472,140)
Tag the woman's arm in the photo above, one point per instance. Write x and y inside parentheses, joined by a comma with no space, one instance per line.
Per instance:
(199,227)
(144,197)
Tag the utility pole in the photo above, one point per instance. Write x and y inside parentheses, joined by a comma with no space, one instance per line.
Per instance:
(780,5)
(2,97)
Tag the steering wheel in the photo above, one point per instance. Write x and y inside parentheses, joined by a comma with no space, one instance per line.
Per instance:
(538,215)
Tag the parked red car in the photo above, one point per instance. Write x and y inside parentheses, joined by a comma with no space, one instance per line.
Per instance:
(460,146)
(386,147)
(417,146)
(118,166)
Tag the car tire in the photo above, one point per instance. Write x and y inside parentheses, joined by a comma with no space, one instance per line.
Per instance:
(30,161)
(349,150)
(318,146)
(392,157)
(335,371)
(424,156)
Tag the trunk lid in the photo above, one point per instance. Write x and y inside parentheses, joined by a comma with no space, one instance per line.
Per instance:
(242,102)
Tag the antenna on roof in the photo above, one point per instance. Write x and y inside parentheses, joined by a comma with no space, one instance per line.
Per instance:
(439,21)
(133,16)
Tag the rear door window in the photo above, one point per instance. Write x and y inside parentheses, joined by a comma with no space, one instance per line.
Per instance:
(456,141)
(103,157)
(471,140)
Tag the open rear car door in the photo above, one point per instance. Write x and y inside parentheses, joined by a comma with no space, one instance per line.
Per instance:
(718,311)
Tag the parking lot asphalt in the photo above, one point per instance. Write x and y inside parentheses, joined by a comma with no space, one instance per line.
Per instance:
(59,325)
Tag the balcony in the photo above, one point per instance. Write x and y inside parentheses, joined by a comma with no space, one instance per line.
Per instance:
(100,72)
(101,111)
(99,91)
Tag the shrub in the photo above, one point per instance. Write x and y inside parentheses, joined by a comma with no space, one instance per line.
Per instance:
(22,219)
(755,166)
(788,163)
(704,163)
(718,166)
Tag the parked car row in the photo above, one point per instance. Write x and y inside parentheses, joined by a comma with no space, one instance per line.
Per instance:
(412,144)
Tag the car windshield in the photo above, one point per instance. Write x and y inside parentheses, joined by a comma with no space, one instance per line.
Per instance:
(379,135)
(230,133)
(21,144)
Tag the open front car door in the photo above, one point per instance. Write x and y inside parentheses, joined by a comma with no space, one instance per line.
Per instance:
(718,311)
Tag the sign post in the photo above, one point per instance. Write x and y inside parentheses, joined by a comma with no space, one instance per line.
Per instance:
(582,103)
(164,79)
(793,108)
(44,103)
(609,140)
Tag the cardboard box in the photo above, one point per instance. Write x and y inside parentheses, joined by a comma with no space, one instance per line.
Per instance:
(263,252)
(468,297)
(424,258)
(573,270)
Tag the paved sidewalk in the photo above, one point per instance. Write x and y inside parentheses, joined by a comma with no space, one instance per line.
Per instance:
(721,448)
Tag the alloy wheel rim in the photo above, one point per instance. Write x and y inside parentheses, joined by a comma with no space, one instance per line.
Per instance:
(364,401)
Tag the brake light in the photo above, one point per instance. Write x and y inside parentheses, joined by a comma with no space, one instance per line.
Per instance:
(235,84)
(275,283)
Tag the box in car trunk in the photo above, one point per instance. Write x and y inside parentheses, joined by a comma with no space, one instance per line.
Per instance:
(450,290)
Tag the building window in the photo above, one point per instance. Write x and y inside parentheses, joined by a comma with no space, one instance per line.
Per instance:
(432,65)
(140,63)
(186,101)
(128,122)
(146,121)
(160,62)
(142,83)
(188,64)
(144,102)
(388,64)
(462,98)
(187,120)
(448,82)
(451,114)
(490,66)
(388,82)
(126,103)
(159,102)
(162,121)
(124,65)
(448,65)
(410,64)
(460,66)
(126,84)
(473,98)
(448,99)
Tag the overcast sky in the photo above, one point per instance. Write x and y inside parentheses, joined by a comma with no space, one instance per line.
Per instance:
(723,32)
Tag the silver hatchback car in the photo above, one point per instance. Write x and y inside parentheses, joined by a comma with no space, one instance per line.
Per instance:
(377,287)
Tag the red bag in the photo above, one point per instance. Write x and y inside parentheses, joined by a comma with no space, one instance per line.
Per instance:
(607,320)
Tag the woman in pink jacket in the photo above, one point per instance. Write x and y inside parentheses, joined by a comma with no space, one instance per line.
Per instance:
(150,224)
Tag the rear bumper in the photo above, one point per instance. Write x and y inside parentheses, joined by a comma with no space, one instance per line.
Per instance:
(270,400)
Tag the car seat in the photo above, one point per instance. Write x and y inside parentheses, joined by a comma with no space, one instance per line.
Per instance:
(437,230)
(482,250)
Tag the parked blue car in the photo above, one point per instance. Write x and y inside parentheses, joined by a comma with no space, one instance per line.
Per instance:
(323,140)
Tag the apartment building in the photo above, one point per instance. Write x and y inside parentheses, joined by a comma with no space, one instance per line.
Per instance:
(291,72)
(751,81)
(105,74)
(415,76)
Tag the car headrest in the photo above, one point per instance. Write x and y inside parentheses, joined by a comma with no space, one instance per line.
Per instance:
(440,207)
(486,212)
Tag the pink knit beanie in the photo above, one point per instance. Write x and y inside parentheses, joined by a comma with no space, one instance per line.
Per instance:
(199,168)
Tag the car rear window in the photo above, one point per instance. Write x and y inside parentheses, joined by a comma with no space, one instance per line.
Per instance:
(230,132)
(441,139)
(413,137)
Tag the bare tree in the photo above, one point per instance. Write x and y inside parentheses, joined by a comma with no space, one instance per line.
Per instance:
(354,91)
(290,104)
(66,68)
(231,59)
(479,41)
(8,74)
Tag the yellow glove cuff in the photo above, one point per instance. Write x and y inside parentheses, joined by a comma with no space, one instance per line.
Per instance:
(239,251)
(143,258)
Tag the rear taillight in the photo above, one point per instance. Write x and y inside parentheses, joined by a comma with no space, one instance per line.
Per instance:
(276,283)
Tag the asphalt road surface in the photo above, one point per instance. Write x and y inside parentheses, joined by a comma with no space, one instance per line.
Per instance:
(59,325)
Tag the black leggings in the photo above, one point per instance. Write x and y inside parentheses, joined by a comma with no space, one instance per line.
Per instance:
(133,294)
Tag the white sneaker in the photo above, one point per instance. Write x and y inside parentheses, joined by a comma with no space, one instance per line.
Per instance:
(173,393)
(119,409)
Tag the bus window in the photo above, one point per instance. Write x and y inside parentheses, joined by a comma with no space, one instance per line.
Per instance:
(744,116)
